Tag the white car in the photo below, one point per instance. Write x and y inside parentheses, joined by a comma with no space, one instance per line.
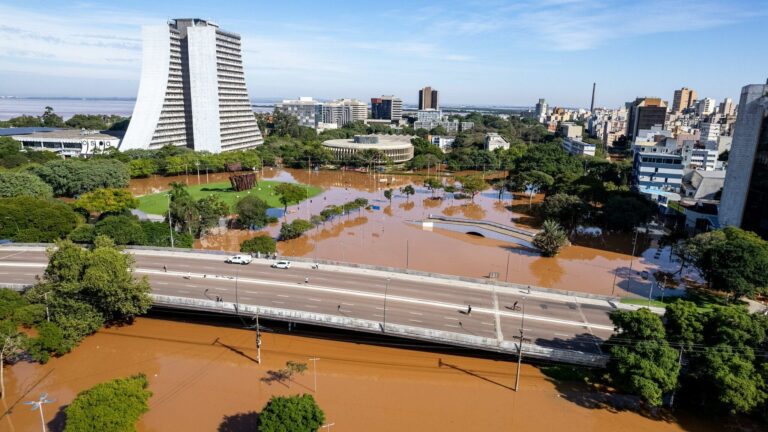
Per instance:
(240,259)
(282,264)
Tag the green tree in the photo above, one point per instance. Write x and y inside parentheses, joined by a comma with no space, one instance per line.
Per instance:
(568,210)
(729,375)
(642,362)
(388,195)
(107,200)
(291,414)
(252,211)
(50,340)
(432,183)
(551,239)
(123,230)
(159,234)
(408,190)
(211,208)
(627,211)
(113,406)
(290,194)
(184,213)
(87,121)
(71,177)
(732,260)
(500,186)
(51,119)
(27,219)
(142,167)
(684,323)
(262,244)
(472,185)
(294,229)
(13,184)
(11,345)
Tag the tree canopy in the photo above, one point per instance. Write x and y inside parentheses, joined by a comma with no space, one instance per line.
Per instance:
(113,406)
(13,184)
(291,414)
(107,200)
(71,177)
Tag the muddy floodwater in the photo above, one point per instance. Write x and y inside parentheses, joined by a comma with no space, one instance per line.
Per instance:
(390,234)
(204,378)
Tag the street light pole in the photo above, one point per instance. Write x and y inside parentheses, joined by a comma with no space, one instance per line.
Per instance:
(520,350)
(631,260)
(38,405)
(407,254)
(170,225)
(386,289)
(314,369)
(258,338)
(506,277)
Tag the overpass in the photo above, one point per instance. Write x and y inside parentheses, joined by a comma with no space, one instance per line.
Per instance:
(560,326)
(484,228)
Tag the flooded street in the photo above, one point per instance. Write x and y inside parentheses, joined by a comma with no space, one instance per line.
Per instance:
(388,235)
(201,375)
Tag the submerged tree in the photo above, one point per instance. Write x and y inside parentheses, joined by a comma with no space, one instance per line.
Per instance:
(550,239)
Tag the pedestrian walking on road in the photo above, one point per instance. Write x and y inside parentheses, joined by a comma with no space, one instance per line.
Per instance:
(514,306)
(469,309)
(306,280)
(338,308)
(165,269)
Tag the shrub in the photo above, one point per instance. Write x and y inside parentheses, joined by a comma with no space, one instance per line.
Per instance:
(261,244)
(113,406)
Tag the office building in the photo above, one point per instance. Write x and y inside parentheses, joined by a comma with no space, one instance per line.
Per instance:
(683,99)
(396,148)
(344,111)
(727,108)
(745,194)
(387,108)
(192,91)
(706,106)
(578,148)
(710,132)
(644,113)
(570,130)
(659,176)
(428,99)
(697,158)
(70,142)
(541,109)
(494,141)
(308,111)
(444,142)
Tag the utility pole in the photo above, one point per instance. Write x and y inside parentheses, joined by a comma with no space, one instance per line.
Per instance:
(328,426)
(631,260)
(170,225)
(407,254)
(38,405)
(386,289)
(314,369)
(520,350)
(258,338)
(237,300)
(506,278)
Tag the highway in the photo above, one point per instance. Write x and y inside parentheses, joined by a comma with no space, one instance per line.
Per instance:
(555,321)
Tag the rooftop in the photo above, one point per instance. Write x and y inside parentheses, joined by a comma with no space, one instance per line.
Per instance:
(71,134)
(384,141)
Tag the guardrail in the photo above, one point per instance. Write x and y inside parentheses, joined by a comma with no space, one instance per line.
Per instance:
(530,234)
(398,330)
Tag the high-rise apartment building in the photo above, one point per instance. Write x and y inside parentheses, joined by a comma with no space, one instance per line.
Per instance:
(706,106)
(192,91)
(683,99)
(644,113)
(428,99)
(541,109)
(344,111)
(387,108)
(727,108)
(744,200)
(308,111)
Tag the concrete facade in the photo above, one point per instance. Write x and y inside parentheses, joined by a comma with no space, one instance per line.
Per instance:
(748,152)
(308,111)
(192,91)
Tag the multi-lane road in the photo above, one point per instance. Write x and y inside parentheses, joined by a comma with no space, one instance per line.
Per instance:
(551,320)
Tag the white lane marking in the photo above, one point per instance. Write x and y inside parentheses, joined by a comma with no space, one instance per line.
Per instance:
(311,306)
(278,302)
(378,308)
(250,292)
(283,295)
(29,274)
(401,299)
(190,286)
(314,299)
(161,283)
(3,272)
(347,304)
(378,315)
(487,323)
(451,318)
(562,334)
(451,325)
(415,313)
(415,320)
(15,264)
(184,291)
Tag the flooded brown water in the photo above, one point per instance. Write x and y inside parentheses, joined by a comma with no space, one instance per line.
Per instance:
(200,374)
(389,237)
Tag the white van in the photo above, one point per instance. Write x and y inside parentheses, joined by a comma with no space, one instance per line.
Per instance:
(240,259)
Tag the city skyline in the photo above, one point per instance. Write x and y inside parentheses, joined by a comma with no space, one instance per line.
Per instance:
(484,52)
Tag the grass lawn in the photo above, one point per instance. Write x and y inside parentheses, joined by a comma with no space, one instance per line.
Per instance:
(703,300)
(158,203)
(643,302)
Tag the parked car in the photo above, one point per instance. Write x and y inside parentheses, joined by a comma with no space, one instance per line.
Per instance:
(240,259)
(282,264)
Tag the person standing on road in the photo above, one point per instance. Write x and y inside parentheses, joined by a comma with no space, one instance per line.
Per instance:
(165,269)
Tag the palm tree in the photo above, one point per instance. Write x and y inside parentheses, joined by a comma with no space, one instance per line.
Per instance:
(551,239)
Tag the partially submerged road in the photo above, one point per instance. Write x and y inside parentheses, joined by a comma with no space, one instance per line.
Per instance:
(551,320)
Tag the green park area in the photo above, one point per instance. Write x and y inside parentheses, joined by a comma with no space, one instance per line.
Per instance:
(158,203)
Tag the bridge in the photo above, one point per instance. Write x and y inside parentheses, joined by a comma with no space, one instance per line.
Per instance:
(485,228)
(558,325)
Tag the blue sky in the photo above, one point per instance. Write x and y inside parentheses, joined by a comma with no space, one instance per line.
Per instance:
(473,51)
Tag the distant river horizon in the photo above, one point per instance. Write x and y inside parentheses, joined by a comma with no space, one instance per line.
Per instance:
(66,108)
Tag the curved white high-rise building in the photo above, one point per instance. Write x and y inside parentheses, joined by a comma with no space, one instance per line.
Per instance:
(192,91)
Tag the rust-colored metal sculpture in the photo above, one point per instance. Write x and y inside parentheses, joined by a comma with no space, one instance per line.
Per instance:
(243,181)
